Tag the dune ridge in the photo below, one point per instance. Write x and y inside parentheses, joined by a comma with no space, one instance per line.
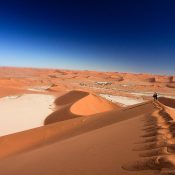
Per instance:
(157,148)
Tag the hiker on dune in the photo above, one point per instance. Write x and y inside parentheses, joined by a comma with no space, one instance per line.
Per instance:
(155,96)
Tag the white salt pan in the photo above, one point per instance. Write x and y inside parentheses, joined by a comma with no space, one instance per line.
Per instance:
(124,101)
(18,113)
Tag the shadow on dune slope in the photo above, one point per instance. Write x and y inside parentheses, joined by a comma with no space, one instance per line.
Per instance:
(157,146)
(70,97)
(60,115)
(167,101)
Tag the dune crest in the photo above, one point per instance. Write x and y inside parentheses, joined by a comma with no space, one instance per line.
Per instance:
(157,148)
(92,104)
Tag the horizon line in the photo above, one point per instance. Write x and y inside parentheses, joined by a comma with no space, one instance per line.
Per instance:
(67,69)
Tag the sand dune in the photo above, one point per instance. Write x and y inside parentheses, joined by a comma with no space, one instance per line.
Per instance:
(87,134)
(100,151)
(103,139)
(63,80)
(157,148)
(70,97)
(78,104)
(38,137)
(8,91)
(92,104)
(122,141)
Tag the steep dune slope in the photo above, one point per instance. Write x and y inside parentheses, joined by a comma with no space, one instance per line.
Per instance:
(48,134)
(157,147)
(70,97)
(167,101)
(100,151)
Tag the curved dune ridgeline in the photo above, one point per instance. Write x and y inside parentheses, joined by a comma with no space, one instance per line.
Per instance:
(38,137)
(92,104)
(61,114)
(70,97)
(77,104)
(157,147)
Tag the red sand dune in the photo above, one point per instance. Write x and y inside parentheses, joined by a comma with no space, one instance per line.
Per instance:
(6,91)
(63,80)
(87,134)
(121,142)
(171,85)
(78,104)
(102,134)
(60,130)
(92,104)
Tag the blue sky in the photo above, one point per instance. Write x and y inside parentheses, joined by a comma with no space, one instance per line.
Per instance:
(130,36)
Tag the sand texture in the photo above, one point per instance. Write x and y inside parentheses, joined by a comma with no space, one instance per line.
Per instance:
(66,127)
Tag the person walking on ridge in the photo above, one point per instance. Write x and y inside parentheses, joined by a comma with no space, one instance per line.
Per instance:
(155,96)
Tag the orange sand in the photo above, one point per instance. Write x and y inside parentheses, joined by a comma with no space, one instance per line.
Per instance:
(87,134)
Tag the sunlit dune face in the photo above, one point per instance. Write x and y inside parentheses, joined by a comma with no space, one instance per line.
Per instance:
(91,104)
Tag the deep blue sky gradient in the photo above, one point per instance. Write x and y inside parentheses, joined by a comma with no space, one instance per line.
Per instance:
(125,35)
